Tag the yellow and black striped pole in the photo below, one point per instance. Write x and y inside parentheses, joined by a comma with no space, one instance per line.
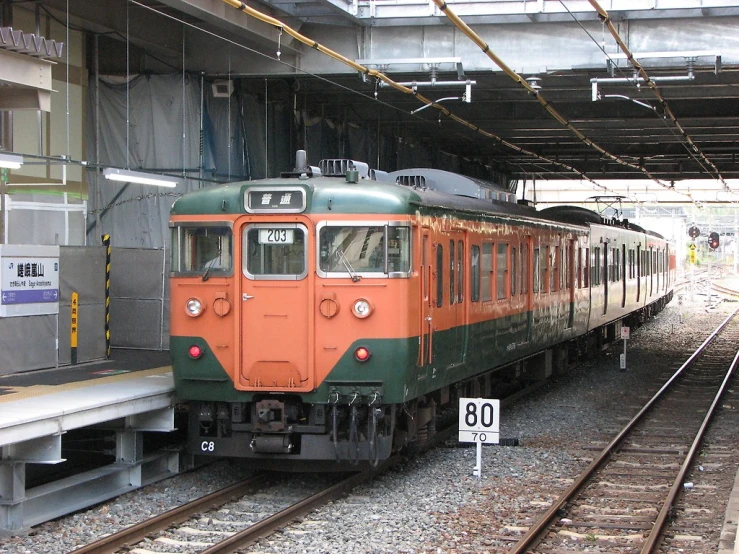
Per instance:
(106,243)
(74,312)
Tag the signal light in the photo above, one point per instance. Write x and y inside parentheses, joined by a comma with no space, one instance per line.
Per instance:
(362,354)
(713,240)
(195,351)
(694,232)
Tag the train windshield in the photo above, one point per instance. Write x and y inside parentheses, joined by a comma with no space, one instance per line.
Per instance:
(275,251)
(364,249)
(204,250)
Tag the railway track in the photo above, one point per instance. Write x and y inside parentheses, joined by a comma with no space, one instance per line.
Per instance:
(627,494)
(241,514)
(232,517)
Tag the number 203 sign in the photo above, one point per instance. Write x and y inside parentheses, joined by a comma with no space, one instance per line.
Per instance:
(479,420)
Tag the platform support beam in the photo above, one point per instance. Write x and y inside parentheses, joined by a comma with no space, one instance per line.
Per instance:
(20,508)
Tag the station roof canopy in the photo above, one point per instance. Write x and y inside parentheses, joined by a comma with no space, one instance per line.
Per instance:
(606,89)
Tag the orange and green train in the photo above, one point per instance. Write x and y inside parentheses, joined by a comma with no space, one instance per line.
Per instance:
(328,314)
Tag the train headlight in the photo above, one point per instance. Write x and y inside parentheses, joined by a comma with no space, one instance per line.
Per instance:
(362,354)
(362,308)
(194,307)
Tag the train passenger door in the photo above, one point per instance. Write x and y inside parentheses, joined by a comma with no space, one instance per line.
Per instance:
(276,295)
(605,278)
(571,269)
(425,347)
(448,311)
(623,275)
(460,300)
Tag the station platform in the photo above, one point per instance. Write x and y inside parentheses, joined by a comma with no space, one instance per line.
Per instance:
(124,397)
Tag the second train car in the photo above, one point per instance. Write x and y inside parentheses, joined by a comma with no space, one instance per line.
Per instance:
(326,315)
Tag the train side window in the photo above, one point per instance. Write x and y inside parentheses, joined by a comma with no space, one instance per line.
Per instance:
(537,271)
(514,274)
(595,267)
(460,271)
(487,271)
(475,273)
(524,268)
(502,271)
(546,269)
(202,249)
(451,272)
(586,269)
(554,273)
(439,275)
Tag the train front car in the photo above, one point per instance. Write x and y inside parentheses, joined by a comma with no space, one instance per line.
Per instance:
(290,329)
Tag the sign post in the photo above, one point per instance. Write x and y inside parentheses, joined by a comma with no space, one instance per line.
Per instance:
(479,422)
(626,335)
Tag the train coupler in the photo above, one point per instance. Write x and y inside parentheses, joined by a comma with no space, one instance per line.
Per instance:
(271,444)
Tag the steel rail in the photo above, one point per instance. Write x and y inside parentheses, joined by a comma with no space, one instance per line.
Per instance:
(268,525)
(137,533)
(656,532)
(541,527)
(724,290)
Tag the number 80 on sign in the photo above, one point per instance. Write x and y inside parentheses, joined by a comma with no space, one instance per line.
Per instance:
(479,420)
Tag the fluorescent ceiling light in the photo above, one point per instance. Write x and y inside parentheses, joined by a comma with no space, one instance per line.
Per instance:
(11,161)
(140,177)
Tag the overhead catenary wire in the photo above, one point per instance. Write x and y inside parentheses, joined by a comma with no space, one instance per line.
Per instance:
(373,73)
(606,18)
(474,37)
(662,117)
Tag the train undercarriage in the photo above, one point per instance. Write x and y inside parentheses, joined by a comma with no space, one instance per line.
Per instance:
(280,431)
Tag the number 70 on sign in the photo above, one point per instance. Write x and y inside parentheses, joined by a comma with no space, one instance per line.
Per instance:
(479,420)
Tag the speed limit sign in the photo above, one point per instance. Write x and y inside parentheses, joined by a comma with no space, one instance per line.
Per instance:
(479,420)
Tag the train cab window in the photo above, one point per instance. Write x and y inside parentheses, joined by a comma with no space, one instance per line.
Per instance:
(486,282)
(501,275)
(364,251)
(275,251)
(475,273)
(202,249)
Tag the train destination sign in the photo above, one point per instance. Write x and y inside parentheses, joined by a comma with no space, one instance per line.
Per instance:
(275,200)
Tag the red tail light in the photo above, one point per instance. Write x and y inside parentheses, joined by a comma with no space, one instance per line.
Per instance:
(362,354)
(195,351)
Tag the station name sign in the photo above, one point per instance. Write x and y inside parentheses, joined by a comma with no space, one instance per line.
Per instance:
(275,200)
(29,280)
